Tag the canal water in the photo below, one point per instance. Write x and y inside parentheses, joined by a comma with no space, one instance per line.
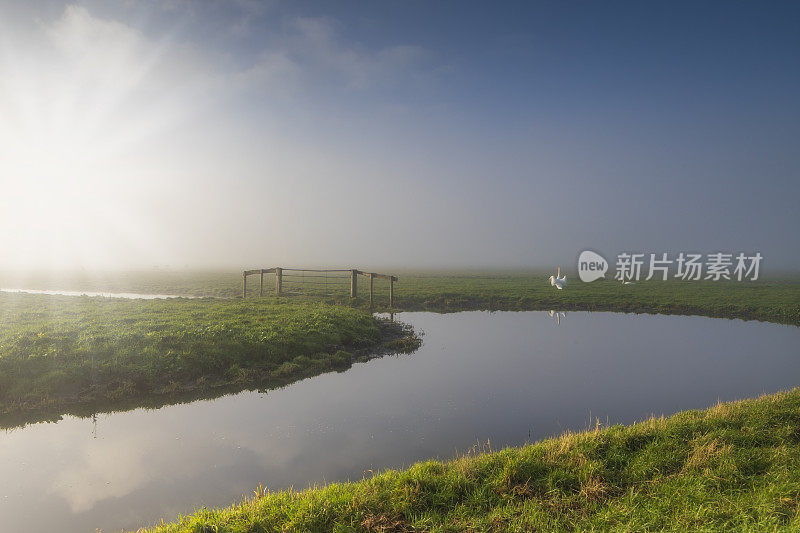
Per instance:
(94,294)
(503,377)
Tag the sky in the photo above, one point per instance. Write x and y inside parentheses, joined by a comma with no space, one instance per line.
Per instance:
(414,134)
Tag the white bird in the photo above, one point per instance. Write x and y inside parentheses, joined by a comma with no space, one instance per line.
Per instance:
(627,282)
(557,281)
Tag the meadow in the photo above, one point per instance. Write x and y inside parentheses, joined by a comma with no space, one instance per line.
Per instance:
(61,351)
(733,467)
(774,299)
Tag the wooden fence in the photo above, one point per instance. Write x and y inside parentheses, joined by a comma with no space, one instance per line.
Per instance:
(353,275)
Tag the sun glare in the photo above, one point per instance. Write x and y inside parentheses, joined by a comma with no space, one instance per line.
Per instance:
(76,108)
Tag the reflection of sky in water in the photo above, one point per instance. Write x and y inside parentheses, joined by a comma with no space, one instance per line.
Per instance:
(479,376)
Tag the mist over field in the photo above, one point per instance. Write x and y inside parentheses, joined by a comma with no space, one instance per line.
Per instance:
(408,135)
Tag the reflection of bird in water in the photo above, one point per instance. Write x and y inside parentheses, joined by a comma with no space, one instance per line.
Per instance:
(558,316)
(557,281)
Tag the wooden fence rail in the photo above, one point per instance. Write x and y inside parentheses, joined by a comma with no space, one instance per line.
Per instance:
(354,273)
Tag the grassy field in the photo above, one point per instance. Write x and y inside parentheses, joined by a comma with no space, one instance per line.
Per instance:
(733,467)
(57,351)
(775,299)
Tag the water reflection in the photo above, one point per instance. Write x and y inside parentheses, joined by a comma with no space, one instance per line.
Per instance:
(90,409)
(557,315)
(504,377)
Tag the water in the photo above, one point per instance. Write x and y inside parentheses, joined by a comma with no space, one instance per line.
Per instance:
(125,295)
(508,377)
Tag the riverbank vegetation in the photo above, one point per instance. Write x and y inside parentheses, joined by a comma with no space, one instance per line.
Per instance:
(58,352)
(733,467)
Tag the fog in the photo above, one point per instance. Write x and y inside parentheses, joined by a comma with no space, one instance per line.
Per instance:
(249,134)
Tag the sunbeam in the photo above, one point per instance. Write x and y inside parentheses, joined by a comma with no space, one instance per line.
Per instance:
(83,111)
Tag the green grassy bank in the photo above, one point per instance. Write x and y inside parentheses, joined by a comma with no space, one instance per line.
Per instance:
(733,467)
(771,300)
(61,351)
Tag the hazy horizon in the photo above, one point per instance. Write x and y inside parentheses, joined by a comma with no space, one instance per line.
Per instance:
(231,135)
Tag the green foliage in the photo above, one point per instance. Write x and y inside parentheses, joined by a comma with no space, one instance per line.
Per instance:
(734,467)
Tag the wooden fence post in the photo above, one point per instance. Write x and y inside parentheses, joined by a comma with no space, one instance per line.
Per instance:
(353,283)
(371,279)
(278,279)
(391,291)
(244,284)
(261,286)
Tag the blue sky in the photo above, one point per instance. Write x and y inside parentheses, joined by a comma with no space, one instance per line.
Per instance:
(405,134)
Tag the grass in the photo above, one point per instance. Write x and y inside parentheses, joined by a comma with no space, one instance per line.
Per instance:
(733,467)
(61,351)
(776,299)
